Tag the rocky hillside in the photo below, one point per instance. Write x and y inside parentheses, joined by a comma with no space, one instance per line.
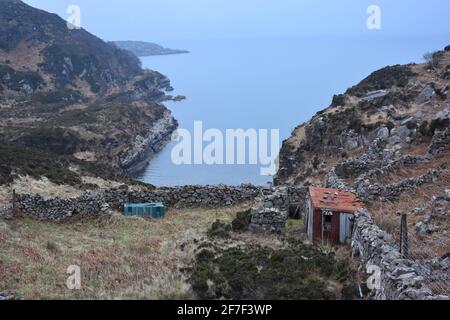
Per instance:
(388,140)
(69,94)
(404,104)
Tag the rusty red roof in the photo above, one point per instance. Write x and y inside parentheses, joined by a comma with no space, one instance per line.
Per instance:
(334,200)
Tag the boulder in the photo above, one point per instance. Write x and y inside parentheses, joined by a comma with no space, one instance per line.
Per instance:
(447,194)
(383,133)
(374,94)
(351,144)
(426,95)
(402,131)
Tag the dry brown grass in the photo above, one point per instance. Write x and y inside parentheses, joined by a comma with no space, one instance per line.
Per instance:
(385,215)
(44,187)
(119,257)
(440,161)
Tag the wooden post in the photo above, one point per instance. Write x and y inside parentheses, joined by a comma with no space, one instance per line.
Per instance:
(404,236)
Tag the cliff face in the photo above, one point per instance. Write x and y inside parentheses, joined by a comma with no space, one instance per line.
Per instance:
(68,93)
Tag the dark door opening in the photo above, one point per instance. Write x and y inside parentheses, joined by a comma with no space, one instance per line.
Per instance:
(295,212)
(327,226)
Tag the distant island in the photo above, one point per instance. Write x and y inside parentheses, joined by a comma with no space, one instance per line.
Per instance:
(144,49)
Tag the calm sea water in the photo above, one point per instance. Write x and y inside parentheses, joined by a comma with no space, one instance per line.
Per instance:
(265,84)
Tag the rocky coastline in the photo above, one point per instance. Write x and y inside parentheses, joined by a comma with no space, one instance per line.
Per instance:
(136,157)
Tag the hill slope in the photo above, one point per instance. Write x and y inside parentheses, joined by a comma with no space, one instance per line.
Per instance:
(68,93)
(406,104)
(388,140)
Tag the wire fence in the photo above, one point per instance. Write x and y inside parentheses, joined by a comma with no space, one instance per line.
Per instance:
(428,257)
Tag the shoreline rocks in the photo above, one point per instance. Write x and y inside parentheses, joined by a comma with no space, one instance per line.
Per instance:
(136,157)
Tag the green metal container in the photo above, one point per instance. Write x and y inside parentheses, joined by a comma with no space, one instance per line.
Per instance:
(154,210)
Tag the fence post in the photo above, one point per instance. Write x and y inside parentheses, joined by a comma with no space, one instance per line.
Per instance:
(14,202)
(404,236)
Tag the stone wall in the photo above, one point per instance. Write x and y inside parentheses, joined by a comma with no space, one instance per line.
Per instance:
(376,192)
(267,220)
(400,279)
(95,203)
(282,197)
(272,213)
(440,142)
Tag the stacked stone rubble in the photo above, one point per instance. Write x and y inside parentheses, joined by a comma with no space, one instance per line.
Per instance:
(267,220)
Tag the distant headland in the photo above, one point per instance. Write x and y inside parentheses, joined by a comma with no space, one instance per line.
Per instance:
(144,49)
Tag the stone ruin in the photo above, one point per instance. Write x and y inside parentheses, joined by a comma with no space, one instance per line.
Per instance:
(267,220)
(273,210)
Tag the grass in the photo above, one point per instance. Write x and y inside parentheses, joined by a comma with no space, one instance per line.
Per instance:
(119,257)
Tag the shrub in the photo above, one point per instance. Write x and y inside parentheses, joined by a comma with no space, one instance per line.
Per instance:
(385,78)
(220,229)
(338,100)
(242,221)
(433,59)
(423,128)
(253,272)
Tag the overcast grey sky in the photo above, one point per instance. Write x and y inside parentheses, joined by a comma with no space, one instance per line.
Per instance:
(167,20)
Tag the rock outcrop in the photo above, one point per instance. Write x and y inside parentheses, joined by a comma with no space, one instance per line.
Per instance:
(398,105)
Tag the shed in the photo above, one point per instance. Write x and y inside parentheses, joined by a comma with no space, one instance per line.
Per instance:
(154,210)
(329,214)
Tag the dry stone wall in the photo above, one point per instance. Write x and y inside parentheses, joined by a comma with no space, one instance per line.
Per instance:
(272,213)
(97,203)
(399,278)
(268,220)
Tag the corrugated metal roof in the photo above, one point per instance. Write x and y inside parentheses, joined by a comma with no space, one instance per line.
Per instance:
(334,200)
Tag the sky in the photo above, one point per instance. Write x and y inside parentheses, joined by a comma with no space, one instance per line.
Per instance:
(173,20)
